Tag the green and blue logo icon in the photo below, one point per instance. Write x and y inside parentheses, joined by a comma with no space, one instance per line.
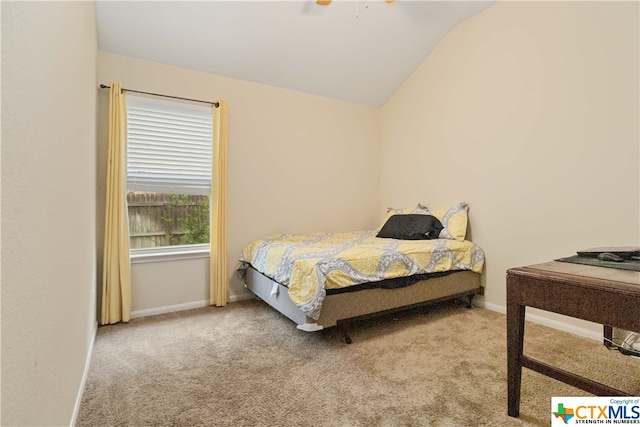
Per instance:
(564,413)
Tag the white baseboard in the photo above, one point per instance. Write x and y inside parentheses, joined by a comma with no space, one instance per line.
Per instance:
(169,309)
(85,374)
(489,306)
(576,330)
(185,306)
(242,297)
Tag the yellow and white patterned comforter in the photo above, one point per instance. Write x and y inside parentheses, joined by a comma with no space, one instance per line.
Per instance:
(308,264)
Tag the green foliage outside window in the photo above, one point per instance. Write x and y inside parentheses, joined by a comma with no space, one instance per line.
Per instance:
(195,225)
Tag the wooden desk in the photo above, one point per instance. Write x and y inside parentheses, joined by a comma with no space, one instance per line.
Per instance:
(603,295)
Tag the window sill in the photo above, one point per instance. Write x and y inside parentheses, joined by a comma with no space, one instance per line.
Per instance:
(169,253)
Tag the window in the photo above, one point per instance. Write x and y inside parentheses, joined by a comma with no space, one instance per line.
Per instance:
(169,149)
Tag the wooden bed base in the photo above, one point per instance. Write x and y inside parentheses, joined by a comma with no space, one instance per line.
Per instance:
(348,305)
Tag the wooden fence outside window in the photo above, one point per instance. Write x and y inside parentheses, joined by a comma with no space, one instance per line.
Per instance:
(159,219)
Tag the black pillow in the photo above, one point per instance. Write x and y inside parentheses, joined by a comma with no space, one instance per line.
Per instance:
(411,227)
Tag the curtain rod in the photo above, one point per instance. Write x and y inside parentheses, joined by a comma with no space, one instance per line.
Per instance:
(215,104)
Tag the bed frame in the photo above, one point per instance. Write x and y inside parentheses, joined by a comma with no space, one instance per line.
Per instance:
(350,305)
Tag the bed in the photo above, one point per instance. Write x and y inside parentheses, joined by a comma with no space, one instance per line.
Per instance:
(319,280)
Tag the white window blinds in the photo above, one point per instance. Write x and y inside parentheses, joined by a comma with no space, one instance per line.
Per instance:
(169,146)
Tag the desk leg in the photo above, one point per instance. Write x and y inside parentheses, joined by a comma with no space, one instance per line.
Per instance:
(515,341)
(607,336)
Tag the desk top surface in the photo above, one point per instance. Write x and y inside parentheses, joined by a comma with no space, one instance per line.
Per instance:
(625,277)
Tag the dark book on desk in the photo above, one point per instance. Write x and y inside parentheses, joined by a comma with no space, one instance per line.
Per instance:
(621,258)
(626,253)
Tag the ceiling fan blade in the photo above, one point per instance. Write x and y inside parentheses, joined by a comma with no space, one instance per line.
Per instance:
(323,2)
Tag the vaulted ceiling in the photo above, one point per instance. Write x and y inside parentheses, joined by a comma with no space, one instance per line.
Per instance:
(298,45)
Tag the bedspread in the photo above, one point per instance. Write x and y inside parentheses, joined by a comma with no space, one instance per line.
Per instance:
(308,264)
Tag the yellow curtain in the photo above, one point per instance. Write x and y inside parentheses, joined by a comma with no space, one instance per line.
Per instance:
(218,279)
(116,278)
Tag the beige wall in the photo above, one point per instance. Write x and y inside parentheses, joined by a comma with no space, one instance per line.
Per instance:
(169,285)
(529,112)
(48,208)
(297,162)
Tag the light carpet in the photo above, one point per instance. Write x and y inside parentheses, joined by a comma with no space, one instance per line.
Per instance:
(247,365)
